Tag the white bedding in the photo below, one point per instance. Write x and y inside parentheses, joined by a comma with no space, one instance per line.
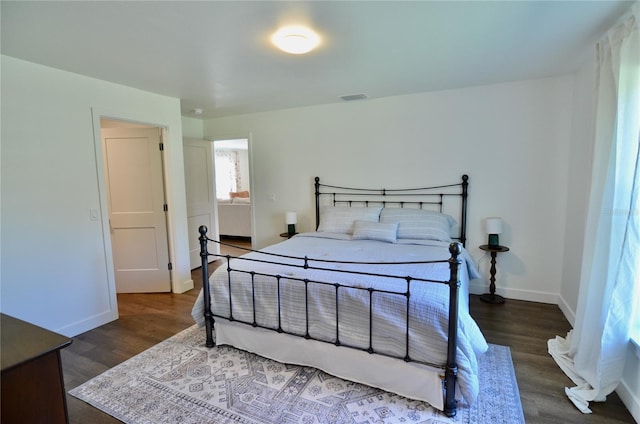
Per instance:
(428,307)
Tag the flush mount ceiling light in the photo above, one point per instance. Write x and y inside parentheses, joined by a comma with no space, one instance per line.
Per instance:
(295,39)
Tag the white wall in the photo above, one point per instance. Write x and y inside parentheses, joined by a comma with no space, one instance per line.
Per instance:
(54,258)
(192,127)
(512,139)
(579,182)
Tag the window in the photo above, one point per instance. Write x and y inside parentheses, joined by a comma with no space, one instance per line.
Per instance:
(227,173)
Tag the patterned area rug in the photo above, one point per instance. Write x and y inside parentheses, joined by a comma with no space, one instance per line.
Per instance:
(181,381)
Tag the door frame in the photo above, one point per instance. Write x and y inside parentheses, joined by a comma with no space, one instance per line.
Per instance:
(251,178)
(98,114)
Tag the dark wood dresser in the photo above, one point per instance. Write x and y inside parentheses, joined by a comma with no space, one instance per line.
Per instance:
(31,379)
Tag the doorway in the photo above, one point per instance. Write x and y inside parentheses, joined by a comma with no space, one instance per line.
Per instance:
(137,209)
(218,188)
(233,189)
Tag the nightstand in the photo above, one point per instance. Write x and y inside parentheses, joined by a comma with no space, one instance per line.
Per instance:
(492,297)
(287,235)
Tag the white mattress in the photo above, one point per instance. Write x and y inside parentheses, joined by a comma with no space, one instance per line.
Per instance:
(428,306)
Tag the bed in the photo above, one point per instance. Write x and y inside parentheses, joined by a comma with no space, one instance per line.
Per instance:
(234,217)
(378,294)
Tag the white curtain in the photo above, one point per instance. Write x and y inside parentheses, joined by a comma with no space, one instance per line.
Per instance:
(227,172)
(593,353)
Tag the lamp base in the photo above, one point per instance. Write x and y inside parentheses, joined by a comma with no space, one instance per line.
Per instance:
(291,229)
(494,240)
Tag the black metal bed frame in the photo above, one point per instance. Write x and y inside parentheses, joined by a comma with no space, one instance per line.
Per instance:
(340,195)
(419,198)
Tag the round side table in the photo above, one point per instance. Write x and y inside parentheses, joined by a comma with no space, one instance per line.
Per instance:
(492,297)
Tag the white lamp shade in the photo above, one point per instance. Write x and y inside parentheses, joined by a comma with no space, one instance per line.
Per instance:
(291,218)
(493,225)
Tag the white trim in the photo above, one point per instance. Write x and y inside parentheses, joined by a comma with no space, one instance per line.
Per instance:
(252,190)
(183,286)
(569,313)
(104,213)
(479,286)
(630,399)
(85,325)
(213,140)
(636,346)
(171,239)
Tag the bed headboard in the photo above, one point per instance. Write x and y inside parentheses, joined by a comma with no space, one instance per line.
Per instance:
(450,199)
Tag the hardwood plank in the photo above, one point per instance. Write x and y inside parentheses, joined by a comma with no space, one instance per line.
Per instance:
(147,319)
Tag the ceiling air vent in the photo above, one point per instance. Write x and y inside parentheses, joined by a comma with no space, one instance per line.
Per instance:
(350,97)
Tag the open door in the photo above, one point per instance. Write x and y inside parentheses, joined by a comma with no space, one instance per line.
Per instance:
(201,196)
(137,210)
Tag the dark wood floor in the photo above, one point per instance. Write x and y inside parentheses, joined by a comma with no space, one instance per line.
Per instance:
(147,319)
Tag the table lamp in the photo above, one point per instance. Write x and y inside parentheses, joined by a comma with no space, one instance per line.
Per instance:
(291,219)
(493,227)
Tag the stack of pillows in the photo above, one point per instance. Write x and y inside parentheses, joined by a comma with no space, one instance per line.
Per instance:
(386,224)
(237,197)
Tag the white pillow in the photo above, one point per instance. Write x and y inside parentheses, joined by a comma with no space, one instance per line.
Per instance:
(419,223)
(368,230)
(340,219)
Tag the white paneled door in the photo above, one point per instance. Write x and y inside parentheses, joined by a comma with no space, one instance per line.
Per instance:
(137,217)
(201,198)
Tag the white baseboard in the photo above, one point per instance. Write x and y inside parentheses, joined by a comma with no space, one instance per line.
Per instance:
(183,287)
(105,317)
(480,287)
(87,324)
(569,313)
(630,400)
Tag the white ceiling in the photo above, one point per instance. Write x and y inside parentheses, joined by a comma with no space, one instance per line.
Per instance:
(216,55)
